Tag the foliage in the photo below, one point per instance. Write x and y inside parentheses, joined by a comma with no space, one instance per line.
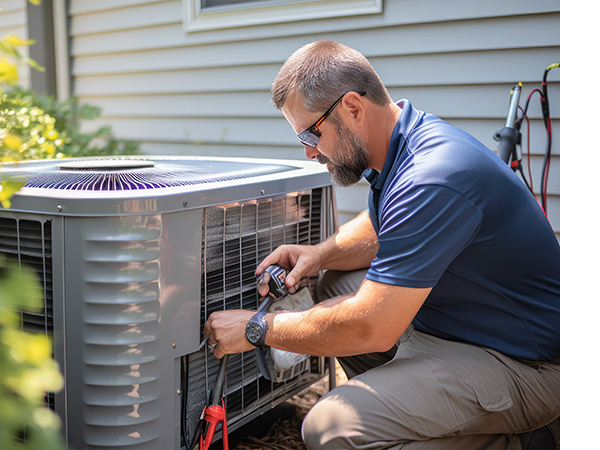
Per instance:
(12,57)
(68,116)
(27,369)
(26,131)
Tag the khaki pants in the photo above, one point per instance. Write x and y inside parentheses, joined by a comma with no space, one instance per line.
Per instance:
(429,393)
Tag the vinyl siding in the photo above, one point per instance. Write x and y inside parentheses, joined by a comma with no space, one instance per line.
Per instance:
(207,93)
(13,20)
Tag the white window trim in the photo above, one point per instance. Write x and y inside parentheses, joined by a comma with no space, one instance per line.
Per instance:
(197,18)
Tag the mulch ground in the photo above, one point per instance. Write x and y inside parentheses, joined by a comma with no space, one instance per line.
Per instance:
(284,433)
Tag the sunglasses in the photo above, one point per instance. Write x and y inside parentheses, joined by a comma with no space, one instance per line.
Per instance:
(311,135)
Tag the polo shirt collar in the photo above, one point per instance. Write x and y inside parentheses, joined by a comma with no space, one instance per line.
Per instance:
(406,122)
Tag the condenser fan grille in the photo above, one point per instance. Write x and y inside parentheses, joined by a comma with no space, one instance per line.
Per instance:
(235,239)
(131,174)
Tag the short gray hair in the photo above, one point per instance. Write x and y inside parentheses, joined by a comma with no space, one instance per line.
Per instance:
(322,71)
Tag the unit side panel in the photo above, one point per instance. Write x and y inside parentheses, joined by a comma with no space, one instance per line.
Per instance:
(113,333)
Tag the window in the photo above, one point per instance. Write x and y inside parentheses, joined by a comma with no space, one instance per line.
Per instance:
(200,15)
(213,3)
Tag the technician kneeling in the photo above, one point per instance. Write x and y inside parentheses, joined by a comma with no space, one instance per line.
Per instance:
(441,301)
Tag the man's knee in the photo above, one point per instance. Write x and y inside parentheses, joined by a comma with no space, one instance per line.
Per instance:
(324,426)
(334,283)
(351,416)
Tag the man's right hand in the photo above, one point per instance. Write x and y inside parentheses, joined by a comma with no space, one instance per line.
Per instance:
(300,260)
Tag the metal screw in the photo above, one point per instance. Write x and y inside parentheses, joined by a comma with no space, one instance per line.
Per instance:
(59,207)
(262,192)
(185,204)
(178,391)
(174,344)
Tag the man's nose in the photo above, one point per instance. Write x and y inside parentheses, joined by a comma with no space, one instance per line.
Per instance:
(311,152)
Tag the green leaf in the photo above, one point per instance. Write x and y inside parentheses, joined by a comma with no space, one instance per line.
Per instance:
(7,190)
(6,48)
(34,64)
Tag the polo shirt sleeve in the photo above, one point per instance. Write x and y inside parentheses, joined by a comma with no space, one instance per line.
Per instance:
(422,229)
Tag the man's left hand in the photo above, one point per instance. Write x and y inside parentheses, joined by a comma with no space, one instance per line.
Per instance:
(227,329)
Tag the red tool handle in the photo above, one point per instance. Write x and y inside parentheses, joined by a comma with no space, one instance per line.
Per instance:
(214,415)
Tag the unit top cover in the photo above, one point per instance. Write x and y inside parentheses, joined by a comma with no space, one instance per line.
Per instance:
(106,179)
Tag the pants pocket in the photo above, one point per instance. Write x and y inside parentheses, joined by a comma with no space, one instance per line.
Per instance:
(485,375)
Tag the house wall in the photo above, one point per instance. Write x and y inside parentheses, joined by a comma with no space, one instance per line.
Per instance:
(13,20)
(208,92)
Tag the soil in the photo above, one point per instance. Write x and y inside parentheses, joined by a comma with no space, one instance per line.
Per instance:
(284,433)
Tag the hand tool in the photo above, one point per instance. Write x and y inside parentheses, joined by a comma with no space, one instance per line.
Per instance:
(274,276)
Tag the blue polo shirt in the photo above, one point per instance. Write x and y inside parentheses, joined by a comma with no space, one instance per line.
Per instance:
(449,214)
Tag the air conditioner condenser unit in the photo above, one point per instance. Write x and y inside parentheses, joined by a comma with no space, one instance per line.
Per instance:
(134,253)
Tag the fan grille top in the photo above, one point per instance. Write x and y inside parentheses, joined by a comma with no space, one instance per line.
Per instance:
(112,174)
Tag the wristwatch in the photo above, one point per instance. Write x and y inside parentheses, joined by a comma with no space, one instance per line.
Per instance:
(256,330)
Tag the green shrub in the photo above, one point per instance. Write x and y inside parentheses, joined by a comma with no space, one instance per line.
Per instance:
(67,117)
(26,131)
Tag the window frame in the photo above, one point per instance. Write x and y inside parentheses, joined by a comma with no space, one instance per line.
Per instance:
(197,18)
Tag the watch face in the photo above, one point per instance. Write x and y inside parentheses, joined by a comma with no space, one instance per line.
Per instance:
(253,332)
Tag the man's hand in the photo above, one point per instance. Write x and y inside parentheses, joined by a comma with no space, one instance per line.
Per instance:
(303,260)
(352,247)
(227,329)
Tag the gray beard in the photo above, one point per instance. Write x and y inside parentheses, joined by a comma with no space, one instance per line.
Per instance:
(348,169)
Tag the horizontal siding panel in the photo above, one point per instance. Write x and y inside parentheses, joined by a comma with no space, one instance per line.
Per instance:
(183,81)
(537,163)
(90,6)
(13,21)
(144,15)
(538,31)
(553,203)
(245,131)
(225,104)
(483,130)
(352,200)
(12,5)
(10,18)
(479,67)
(209,130)
(239,151)
(476,101)
(225,109)
(18,30)
(464,102)
(421,70)
(395,13)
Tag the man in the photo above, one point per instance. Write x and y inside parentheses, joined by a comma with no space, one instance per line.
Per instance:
(442,301)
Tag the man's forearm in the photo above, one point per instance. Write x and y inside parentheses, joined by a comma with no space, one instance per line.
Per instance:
(371,320)
(352,247)
(327,329)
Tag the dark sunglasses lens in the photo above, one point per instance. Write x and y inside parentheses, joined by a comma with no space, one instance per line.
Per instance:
(308,138)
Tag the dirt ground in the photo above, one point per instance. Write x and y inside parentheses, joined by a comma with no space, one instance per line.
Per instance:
(284,434)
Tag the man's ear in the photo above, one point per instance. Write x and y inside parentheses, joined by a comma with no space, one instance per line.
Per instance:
(355,107)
